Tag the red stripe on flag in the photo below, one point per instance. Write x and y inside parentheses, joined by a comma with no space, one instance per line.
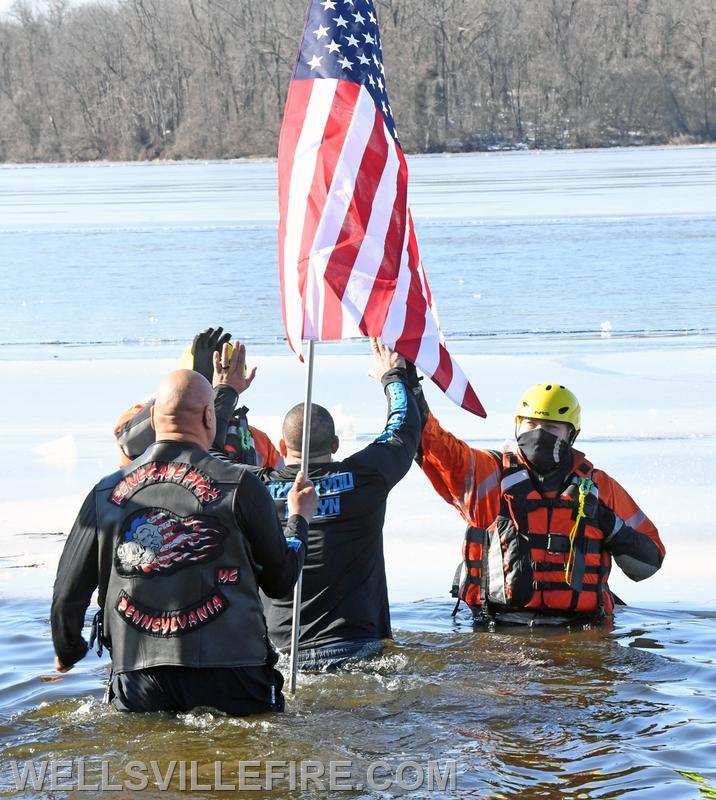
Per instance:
(408,342)
(471,402)
(334,136)
(386,278)
(355,224)
(443,374)
(299,93)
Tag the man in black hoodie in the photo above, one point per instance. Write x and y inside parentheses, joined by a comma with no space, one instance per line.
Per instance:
(344,605)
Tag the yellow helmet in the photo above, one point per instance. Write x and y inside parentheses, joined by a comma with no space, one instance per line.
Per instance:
(550,401)
(186,361)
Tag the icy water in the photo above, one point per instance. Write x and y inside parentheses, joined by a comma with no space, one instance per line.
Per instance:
(603,713)
(595,257)
(616,242)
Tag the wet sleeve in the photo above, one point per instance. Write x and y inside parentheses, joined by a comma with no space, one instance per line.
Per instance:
(392,452)
(629,535)
(225,398)
(467,478)
(77,576)
(278,558)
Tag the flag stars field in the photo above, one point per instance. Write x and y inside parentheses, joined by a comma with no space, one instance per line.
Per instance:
(335,27)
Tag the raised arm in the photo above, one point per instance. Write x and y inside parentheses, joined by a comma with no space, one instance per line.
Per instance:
(392,452)
(467,478)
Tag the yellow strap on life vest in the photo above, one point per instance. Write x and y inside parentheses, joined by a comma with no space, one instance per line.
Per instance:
(585,486)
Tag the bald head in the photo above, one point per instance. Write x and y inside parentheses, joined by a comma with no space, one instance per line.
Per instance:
(184,408)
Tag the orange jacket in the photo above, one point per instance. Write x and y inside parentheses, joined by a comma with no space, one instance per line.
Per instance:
(471,480)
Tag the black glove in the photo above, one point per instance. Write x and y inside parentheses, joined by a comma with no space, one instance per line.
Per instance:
(417,390)
(204,346)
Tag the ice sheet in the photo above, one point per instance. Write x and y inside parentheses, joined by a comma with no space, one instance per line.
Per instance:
(616,182)
(648,421)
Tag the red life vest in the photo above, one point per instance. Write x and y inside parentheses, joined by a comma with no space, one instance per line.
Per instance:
(540,553)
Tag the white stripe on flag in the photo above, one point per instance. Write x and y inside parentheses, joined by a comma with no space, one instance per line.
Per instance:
(370,255)
(395,318)
(432,307)
(302,172)
(428,358)
(335,209)
(458,384)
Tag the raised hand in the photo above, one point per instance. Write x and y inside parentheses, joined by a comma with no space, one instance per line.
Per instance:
(230,368)
(384,359)
(204,346)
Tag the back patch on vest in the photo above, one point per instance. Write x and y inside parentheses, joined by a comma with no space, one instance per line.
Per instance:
(166,624)
(190,478)
(157,542)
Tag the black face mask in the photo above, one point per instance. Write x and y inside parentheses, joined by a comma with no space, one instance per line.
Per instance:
(545,452)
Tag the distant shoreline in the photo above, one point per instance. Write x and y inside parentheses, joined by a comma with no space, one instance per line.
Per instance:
(258,159)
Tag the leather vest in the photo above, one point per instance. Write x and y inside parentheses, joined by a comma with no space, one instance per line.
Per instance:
(539,554)
(181,588)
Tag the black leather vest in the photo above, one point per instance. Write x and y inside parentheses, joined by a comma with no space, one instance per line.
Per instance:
(181,588)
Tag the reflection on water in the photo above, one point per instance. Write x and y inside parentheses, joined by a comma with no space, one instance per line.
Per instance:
(523,712)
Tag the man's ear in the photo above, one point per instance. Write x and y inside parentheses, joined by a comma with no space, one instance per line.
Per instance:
(151,417)
(209,416)
(336,444)
(282,448)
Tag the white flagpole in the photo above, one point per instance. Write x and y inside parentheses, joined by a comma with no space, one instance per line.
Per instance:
(305,449)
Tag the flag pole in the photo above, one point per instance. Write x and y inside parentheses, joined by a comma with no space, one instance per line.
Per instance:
(305,449)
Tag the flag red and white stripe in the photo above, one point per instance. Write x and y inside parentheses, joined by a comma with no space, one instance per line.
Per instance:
(349,259)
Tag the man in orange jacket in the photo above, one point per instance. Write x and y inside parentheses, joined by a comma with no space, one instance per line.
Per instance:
(544,522)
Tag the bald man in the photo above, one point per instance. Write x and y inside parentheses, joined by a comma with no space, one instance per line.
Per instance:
(178,544)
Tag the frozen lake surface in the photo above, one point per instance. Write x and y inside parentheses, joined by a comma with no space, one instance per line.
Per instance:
(523,246)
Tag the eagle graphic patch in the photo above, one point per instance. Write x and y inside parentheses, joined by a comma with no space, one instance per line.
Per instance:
(158,542)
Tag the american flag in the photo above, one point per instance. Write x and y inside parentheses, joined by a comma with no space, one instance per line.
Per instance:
(349,259)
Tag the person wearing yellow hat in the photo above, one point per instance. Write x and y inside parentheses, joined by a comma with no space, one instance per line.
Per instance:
(544,523)
(242,442)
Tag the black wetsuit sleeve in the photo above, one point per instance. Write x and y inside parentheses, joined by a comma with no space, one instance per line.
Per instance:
(77,577)
(225,398)
(392,453)
(278,558)
(137,434)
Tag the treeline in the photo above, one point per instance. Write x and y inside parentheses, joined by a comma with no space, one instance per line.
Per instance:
(144,79)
